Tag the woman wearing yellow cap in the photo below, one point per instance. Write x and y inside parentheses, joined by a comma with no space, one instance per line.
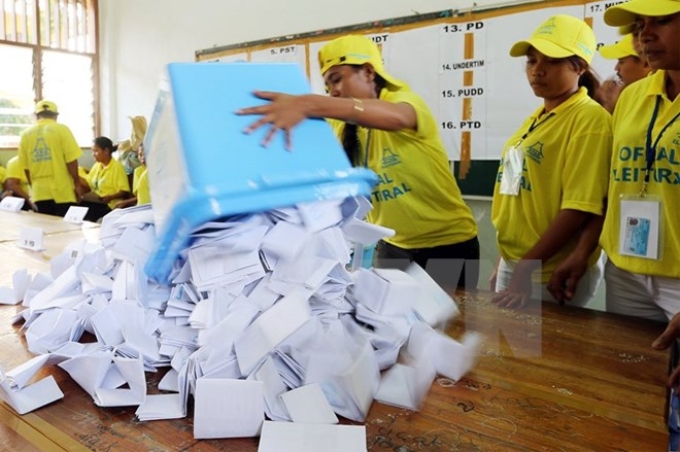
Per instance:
(554,170)
(630,67)
(641,235)
(386,127)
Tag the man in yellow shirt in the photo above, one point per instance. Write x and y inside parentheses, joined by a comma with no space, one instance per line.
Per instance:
(49,153)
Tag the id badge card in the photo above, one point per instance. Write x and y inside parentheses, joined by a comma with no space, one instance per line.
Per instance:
(639,228)
(513,162)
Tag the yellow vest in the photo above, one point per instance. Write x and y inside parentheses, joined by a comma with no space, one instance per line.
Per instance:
(632,117)
(566,166)
(416,194)
(44,150)
(108,180)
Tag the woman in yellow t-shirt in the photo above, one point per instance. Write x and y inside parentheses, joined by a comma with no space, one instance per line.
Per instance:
(17,184)
(386,127)
(554,170)
(107,180)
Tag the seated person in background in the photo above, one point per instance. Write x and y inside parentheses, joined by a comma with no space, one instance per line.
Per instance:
(107,181)
(630,67)
(16,183)
(141,169)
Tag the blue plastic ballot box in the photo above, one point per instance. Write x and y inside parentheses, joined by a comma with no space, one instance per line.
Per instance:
(202,166)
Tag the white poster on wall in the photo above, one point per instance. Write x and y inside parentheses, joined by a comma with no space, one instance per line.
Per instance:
(414,57)
(462,86)
(233,58)
(293,53)
(315,78)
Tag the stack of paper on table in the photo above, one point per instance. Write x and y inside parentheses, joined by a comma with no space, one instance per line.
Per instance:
(261,315)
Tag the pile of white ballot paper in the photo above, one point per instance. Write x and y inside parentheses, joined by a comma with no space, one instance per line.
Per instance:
(261,320)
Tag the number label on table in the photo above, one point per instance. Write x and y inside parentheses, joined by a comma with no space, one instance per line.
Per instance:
(75,214)
(31,238)
(12,204)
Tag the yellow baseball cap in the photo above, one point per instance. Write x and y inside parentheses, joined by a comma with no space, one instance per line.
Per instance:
(625,29)
(355,50)
(46,106)
(623,48)
(560,36)
(625,13)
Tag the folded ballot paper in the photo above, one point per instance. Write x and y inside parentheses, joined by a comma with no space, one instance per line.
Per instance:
(24,397)
(261,319)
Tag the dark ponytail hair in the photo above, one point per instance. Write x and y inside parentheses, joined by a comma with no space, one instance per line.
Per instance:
(106,143)
(588,79)
(350,136)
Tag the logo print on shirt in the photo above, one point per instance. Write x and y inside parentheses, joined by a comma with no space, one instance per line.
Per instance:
(389,158)
(41,151)
(535,152)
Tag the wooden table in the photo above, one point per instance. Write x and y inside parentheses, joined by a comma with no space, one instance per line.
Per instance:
(548,378)
(11,224)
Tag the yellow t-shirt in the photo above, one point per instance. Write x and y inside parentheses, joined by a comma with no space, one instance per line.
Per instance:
(632,117)
(566,166)
(16,171)
(3,175)
(416,194)
(108,180)
(135,178)
(143,194)
(44,150)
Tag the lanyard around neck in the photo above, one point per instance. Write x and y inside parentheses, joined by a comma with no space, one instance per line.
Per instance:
(534,125)
(650,149)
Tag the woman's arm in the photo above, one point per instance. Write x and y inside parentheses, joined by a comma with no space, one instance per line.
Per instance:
(565,278)
(14,185)
(126,203)
(562,229)
(119,195)
(285,111)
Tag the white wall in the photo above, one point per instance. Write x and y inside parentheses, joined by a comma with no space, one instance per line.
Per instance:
(138,37)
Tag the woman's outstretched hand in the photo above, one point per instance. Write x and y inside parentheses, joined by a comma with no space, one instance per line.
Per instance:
(283,112)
